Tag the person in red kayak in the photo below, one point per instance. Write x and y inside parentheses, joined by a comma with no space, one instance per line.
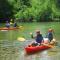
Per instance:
(50,35)
(38,38)
(7,24)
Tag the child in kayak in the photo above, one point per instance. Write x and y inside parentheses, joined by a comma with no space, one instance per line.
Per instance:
(50,35)
(38,38)
(7,24)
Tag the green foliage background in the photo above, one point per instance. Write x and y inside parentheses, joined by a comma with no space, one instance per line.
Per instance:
(30,10)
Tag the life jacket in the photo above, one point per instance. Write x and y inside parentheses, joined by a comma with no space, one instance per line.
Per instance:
(50,36)
(15,24)
(39,38)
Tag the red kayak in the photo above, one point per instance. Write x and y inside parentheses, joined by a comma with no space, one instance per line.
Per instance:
(8,28)
(34,49)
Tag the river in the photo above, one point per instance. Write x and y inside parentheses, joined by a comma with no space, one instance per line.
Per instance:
(12,49)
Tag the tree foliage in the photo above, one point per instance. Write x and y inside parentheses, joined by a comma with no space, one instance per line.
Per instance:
(5,9)
(30,10)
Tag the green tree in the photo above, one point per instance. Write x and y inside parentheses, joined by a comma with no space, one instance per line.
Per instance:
(5,9)
(28,10)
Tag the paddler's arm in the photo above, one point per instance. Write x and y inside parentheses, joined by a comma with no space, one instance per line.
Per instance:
(32,35)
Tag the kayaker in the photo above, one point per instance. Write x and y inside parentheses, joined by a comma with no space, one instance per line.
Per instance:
(7,24)
(38,37)
(15,24)
(50,35)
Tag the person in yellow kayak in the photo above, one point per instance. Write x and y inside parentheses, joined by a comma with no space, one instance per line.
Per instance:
(7,24)
(38,38)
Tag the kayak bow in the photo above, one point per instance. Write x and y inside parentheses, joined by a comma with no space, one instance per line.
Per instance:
(8,28)
(34,49)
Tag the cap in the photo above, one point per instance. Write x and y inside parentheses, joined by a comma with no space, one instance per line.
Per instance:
(37,31)
(50,30)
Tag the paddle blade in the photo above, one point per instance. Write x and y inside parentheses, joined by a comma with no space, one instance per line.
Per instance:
(21,39)
(20,26)
(31,33)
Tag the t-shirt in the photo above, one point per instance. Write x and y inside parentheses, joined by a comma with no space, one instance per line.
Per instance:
(7,25)
(39,38)
(50,36)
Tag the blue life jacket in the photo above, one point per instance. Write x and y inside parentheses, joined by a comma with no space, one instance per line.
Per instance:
(50,36)
(39,38)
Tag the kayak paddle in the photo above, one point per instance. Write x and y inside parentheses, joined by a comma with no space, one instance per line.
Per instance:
(21,39)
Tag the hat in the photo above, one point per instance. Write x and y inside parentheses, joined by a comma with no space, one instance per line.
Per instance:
(50,30)
(37,31)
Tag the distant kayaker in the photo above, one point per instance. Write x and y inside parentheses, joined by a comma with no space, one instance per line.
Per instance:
(15,24)
(50,35)
(7,24)
(38,37)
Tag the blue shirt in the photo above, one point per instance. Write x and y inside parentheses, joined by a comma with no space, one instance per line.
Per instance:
(39,38)
(7,25)
(50,36)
